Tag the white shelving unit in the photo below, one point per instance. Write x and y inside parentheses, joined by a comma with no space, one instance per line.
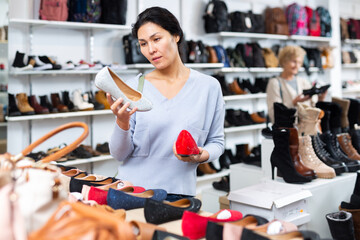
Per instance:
(58,115)
(69,72)
(67,25)
(259,36)
(244,97)
(245,128)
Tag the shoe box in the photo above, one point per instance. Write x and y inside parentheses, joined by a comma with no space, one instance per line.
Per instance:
(273,200)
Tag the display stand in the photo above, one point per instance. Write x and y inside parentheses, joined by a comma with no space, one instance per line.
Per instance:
(327,194)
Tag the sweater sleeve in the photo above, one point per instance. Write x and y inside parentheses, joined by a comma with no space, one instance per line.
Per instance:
(215,141)
(272,95)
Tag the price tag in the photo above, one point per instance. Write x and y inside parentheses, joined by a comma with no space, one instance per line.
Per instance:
(248,22)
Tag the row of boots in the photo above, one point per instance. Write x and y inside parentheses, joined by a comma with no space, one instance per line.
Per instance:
(242,118)
(21,104)
(319,147)
(242,86)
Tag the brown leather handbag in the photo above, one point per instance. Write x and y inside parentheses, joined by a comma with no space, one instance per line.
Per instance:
(80,221)
(270,58)
(212,55)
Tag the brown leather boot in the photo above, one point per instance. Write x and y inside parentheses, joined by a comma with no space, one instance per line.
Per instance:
(308,119)
(23,104)
(38,108)
(347,147)
(235,88)
(356,220)
(295,156)
(310,159)
(56,102)
(205,168)
(344,104)
(256,118)
(100,97)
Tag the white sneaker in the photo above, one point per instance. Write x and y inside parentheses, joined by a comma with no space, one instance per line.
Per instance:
(80,103)
(40,66)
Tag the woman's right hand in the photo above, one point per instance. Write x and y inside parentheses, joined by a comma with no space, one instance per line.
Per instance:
(121,112)
(300,98)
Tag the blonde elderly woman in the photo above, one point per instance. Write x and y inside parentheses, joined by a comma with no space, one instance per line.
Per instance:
(288,87)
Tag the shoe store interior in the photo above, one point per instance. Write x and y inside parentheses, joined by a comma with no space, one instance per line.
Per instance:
(256,108)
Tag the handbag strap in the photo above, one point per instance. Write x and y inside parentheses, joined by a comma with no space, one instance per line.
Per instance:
(281,95)
(62,151)
(141,83)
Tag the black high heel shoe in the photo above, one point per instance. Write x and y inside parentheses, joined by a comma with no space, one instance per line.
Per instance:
(314,90)
(281,158)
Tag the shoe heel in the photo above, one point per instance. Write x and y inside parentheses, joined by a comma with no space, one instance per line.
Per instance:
(272,171)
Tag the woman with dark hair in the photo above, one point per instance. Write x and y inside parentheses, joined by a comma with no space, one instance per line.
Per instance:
(182,98)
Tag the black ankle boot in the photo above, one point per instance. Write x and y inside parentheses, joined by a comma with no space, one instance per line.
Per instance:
(341,225)
(231,156)
(283,116)
(67,101)
(354,112)
(97,105)
(224,87)
(232,118)
(224,160)
(19,60)
(44,101)
(333,147)
(13,110)
(281,158)
(325,157)
(242,152)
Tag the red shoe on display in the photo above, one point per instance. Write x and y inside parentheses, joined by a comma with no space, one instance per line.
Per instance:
(194,225)
(99,195)
(186,145)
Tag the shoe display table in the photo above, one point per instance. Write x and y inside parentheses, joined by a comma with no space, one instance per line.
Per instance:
(327,194)
(172,227)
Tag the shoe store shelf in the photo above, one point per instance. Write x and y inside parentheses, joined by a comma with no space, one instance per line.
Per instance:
(88,160)
(64,24)
(58,115)
(351,90)
(352,41)
(248,35)
(70,72)
(309,38)
(190,65)
(350,66)
(260,70)
(208,177)
(245,128)
(244,97)
(269,36)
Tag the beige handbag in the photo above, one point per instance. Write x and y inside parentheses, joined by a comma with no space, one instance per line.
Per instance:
(37,187)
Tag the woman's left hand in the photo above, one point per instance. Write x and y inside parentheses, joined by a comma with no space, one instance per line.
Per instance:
(198,158)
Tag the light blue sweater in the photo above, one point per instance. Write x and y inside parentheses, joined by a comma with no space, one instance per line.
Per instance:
(145,150)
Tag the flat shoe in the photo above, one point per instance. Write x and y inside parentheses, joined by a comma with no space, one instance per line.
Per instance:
(157,212)
(108,81)
(118,199)
(194,225)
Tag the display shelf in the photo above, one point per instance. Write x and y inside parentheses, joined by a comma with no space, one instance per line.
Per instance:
(244,97)
(245,128)
(352,41)
(64,24)
(351,90)
(58,115)
(70,72)
(350,66)
(260,70)
(248,35)
(212,176)
(269,36)
(309,38)
(88,160)
(190,65)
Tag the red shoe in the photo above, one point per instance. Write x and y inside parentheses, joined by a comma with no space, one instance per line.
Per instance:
(99,195)
(194,225)
(186,145)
